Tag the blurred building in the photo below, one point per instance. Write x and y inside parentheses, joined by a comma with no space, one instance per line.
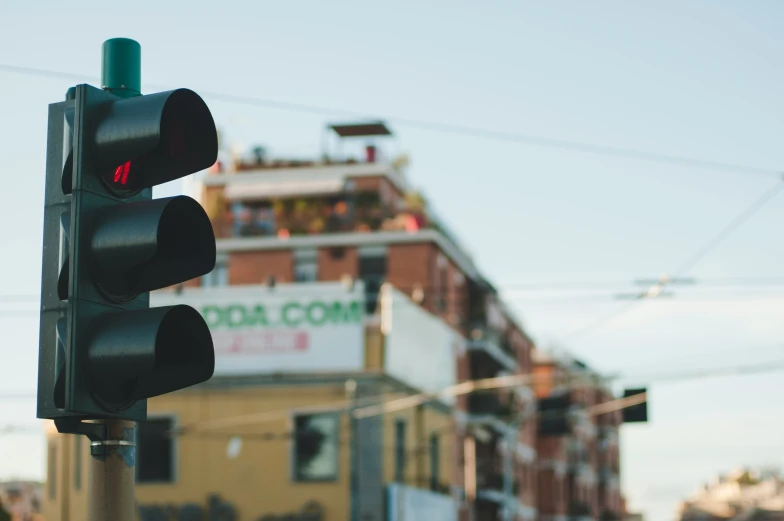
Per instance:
(579,458)
(336,289)
(21,500)
(742,495)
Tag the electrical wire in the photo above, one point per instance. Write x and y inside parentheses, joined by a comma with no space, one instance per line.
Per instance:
(687,265)
(486,384)
(379,404)
(464,130)
(736,281)
(529,296)
(733,225)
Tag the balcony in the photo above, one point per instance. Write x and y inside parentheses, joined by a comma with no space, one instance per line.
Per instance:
(278,206)
(489,344)
(608,433)
(296,216)
(490,404)
(339,219)
(487,509)
(579,460)
(579,509)
(491,479)
(608,477)
(259,163)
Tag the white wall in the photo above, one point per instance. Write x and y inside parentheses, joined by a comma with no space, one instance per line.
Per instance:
(420,348)
(414,504)
(290,328)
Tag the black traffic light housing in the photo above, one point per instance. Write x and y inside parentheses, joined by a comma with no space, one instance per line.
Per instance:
(637,413)
(107,244)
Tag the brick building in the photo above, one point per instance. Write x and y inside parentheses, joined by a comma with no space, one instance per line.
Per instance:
(578,453)
(336,272)
(299,243)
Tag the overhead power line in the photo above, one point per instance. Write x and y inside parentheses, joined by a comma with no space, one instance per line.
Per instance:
(728,230)
(528,288)
(207,427)
(610,285)
(368,406)
(449,128)
(687,265)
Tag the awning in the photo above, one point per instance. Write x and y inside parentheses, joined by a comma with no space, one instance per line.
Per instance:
(372,128)
(265,189)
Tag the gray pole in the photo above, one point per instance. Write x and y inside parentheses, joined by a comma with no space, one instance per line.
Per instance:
(113,460)
(353,447)
(113,473)
(509,461)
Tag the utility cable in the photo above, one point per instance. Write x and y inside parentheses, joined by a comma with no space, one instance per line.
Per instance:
(464,130)
(379,404)
(687,265)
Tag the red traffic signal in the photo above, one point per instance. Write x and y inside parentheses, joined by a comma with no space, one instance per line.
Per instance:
(149,140)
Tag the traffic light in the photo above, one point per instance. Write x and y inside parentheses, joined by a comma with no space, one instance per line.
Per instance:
(102,350)
(637,413)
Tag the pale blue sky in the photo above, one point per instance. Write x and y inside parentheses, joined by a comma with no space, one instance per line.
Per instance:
(699,79)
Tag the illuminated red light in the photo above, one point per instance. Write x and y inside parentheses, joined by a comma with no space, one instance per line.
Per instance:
(121,173)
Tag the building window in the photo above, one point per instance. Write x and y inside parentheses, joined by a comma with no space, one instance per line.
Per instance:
(155,451)
(434,463)
(316,448)
(253,219)
(442,267)
(52,471)
(373,272)
(306,265)
(400,450)
(219,276)
(78,462)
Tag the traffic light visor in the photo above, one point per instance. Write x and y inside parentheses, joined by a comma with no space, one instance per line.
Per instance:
(144,141)
(148,245)
(139,354)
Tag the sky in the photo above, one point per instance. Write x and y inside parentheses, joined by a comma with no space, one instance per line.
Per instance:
(699,79)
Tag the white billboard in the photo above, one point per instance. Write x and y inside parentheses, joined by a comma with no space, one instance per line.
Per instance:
(414,504)
(420,349)
(303,327)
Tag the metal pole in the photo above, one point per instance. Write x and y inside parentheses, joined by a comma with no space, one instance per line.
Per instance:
(113,459)
(469,473)
(353,447)
(113,473)
(508,476)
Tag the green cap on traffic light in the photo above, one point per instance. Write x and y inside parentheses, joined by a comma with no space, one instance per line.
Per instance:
(121,69)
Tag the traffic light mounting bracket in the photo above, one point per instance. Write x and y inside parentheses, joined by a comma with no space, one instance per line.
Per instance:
(93,431)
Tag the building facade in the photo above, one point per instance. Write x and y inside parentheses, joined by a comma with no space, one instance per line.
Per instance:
(579,453)
(341,308)
(743,494)
(20,500)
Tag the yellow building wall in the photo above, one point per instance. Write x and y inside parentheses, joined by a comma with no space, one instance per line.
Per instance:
(68,500)
(421,422)
(258,481)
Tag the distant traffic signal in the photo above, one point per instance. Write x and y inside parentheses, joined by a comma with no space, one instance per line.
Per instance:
(637,413)
(107,244)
